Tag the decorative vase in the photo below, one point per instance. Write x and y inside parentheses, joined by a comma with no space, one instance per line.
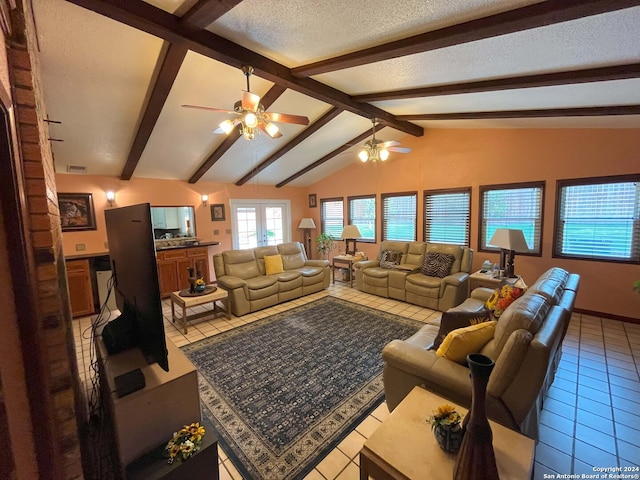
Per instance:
(449,437)
(192,280)
(476,459)
(201,288)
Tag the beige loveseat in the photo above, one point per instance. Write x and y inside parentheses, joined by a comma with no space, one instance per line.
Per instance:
(242,273)
(526,349)
(406,282)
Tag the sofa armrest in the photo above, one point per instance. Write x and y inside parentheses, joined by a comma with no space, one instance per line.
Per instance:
(317,263)
(482,293)
(229,282)
(366,264)
(455,279)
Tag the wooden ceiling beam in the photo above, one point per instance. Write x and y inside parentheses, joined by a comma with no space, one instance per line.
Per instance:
(267,100)
(170,62)
(143,16)
(602,74)
(517,20)
(205,12)
(306,133)
(539,113)
(326,158)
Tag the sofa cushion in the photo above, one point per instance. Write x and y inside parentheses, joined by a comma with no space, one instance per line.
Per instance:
(390,258)
(461,342)
(437,264)
(551,284)
(501,298)
(273,264)
(527,312)
(241,263)
(456,250)
(292,255)
(452,320)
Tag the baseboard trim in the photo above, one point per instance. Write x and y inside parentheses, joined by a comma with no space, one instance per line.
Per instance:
(610,316)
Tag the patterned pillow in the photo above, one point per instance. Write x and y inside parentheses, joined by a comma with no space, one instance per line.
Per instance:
(457,319)
(501,298)
(437,264)
(390,258)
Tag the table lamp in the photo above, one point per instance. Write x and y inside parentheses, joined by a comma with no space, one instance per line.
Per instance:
(307,224)
(349,234)
(509,240)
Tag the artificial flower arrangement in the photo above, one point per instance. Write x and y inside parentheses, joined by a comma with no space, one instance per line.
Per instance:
(185,442)
(445,416)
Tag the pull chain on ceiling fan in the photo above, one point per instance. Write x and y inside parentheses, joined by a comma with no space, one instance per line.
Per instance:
(375,150)
(250,115)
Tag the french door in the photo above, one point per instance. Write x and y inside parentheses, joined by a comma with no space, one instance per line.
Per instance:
(260,223)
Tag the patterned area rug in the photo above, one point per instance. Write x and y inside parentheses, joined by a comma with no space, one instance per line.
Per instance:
(282,392)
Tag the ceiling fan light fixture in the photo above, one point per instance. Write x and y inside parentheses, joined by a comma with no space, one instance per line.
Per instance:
(227,126)
(271,128)
(251,120)
(248,133)
(363,155)
(384,154)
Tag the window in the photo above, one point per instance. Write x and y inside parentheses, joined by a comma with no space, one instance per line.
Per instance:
(512,206)
(399,216)
(332,219)
(598,219)
(446,216)
(362,214)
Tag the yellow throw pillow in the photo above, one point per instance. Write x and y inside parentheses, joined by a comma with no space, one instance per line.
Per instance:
(273,264)
(461,342)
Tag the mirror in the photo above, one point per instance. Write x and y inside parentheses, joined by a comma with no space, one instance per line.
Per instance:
(173,222)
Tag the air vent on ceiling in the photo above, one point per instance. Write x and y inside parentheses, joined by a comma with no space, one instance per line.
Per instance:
(76,169)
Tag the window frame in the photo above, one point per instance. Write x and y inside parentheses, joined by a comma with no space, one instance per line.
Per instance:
(511,186)
(383,197)
(446,191)
(322,217)
(635,242)
(375,219)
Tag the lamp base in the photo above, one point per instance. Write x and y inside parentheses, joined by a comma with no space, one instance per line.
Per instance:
(352,250)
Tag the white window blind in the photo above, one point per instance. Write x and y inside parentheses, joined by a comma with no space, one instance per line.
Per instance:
(599,219)
(332,211)
(447,216)
(362,214)
(399,216)
(513,206)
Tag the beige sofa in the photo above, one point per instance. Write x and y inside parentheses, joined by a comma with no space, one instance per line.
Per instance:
(526,348)
(407,283)
(242,273)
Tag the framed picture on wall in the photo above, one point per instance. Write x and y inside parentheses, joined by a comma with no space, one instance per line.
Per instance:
(312,201)
(76,211)
(217,212)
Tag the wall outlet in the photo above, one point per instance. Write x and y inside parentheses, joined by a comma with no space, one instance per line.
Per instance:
(216,232)
(80,247)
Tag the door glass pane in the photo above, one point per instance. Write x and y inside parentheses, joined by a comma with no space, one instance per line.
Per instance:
(247,227)
(274,225)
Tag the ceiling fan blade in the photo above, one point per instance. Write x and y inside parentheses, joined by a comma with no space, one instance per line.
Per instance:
(287,118)
(390,143)
(209,108)
(277,133)
(399,149)
(250,101)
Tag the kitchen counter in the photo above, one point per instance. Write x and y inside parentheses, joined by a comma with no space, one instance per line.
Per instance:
(177,247)
(80,256)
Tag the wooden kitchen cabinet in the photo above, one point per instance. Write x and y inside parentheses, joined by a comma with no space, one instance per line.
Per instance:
(80,290)
(173,273)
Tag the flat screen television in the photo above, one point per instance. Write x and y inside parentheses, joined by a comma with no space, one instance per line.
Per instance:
(133,265)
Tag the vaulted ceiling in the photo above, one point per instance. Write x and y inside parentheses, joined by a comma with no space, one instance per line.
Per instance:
(116,72)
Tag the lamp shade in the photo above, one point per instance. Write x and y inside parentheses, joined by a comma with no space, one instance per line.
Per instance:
(350,231)
(307,223)
(509,239)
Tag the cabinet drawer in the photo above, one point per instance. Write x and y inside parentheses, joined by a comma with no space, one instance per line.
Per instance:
(77,266)
(172,255)
(197,252)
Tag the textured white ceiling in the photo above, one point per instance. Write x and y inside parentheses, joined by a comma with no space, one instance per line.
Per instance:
(97,75)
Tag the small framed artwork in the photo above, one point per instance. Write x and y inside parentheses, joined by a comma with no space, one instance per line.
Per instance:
(312,201)
(76,211)
(217,212)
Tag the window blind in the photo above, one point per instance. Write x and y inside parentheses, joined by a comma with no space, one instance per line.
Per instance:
(447,216)
(518,207)
(599,220)
(362,214)
(399,216)
(332,219)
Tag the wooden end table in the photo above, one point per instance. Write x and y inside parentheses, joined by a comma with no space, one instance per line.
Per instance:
(404,446)
(348,261)
(220,295)
(480,279)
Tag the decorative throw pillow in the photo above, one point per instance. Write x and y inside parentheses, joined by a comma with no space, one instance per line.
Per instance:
(453,320)
(437,264)
(463,341)
(390,258)
(273,264)
(501,298)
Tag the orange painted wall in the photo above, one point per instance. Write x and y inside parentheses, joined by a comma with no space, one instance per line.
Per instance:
(445,158)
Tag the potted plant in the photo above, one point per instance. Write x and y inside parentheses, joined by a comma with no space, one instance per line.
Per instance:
(325,243)
(446,424)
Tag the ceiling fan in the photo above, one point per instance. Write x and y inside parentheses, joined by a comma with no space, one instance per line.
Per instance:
(375,149)
(250,115)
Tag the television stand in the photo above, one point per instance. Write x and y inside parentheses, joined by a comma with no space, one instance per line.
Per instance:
(146,418)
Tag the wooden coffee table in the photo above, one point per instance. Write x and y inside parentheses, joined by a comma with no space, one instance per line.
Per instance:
(220,295)
(404,447)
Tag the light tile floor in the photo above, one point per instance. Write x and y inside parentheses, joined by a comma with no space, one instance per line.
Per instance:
(590,420)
